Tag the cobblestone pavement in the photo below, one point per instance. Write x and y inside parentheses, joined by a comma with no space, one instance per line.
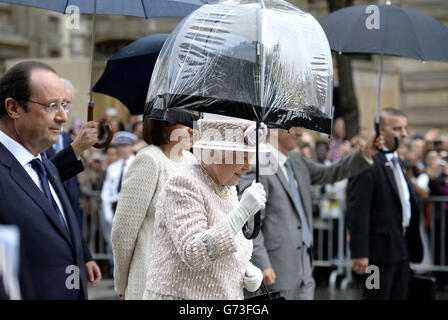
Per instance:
(103,290)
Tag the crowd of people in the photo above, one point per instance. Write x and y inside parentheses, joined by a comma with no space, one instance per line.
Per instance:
(425,156)
(173,219)
(423,160)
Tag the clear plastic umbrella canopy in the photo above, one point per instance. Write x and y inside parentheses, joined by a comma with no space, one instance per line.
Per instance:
(266,61)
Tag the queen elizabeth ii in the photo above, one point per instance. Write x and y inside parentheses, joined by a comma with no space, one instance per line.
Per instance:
(199,250)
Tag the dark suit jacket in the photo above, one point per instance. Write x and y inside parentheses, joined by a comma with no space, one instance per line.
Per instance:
(49,249)
(69,166)
(67,163)
(374,217)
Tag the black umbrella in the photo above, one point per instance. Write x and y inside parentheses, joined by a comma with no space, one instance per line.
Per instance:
(127,76)
(265,61)
(386,30)
(137,8)
(128,72)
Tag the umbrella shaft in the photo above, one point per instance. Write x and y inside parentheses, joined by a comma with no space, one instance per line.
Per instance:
(92,49)
(257,158)
(378,94)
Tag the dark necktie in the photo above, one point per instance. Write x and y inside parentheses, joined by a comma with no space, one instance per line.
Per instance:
(42,173)
(121,177)
(307,235)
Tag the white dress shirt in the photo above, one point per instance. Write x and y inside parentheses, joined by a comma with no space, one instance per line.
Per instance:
(24,157)
(407,195)
(109,192)
(278,156)
(281,159)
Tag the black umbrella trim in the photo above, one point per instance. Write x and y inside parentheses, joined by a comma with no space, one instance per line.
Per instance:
(310,117)
(182,117)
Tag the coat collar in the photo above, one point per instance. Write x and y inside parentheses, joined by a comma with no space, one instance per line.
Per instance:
(19,152)
(24,181)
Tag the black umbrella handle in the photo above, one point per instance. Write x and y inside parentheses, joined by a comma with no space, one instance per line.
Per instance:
(377,129)
(257,218)
(108,128)
(256,229)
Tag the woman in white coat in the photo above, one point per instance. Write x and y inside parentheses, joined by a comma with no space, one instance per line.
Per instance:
(132,229)
(200,252)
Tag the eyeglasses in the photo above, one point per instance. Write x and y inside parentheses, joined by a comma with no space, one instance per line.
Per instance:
(53,107)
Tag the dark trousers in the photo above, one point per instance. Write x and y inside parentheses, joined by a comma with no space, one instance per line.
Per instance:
(394,282)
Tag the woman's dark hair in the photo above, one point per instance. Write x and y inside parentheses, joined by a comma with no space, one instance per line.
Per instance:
(155,131)
(16,83)
(134,126)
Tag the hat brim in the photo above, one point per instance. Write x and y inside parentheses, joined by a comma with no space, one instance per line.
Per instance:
(263,148)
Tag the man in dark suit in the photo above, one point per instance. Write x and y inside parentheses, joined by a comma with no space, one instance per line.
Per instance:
(383,217)
(32,111)
(283,248)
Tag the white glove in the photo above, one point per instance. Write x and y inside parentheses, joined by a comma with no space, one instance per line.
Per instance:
(252,201)
(252,278)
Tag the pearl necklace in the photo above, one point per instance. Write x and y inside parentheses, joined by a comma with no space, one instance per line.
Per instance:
(222,194)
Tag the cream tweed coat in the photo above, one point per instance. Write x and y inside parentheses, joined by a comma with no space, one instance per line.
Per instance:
(195,255)
(132,227)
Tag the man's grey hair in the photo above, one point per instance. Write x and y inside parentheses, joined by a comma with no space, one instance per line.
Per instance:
(391,112)
(68,85)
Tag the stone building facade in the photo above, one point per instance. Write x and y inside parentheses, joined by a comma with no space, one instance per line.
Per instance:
(420,89)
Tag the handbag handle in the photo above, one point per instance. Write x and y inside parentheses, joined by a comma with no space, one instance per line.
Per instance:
(263,288)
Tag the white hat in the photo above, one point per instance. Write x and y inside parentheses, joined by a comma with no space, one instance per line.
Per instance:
(233,135)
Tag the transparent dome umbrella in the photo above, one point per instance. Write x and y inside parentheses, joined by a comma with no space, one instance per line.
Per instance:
(386,30)
(136,8)
(265,61)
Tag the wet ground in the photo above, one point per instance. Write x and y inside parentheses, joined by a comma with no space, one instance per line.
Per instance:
(104,289)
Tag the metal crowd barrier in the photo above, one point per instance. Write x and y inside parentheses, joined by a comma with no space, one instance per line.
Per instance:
(94,231)
(331,247)
(435,211)
(434,238)
(327,254)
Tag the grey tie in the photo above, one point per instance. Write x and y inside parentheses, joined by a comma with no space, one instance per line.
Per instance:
(396,170)
(307,235)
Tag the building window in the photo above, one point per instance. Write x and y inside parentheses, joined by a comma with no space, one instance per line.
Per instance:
(107,49)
